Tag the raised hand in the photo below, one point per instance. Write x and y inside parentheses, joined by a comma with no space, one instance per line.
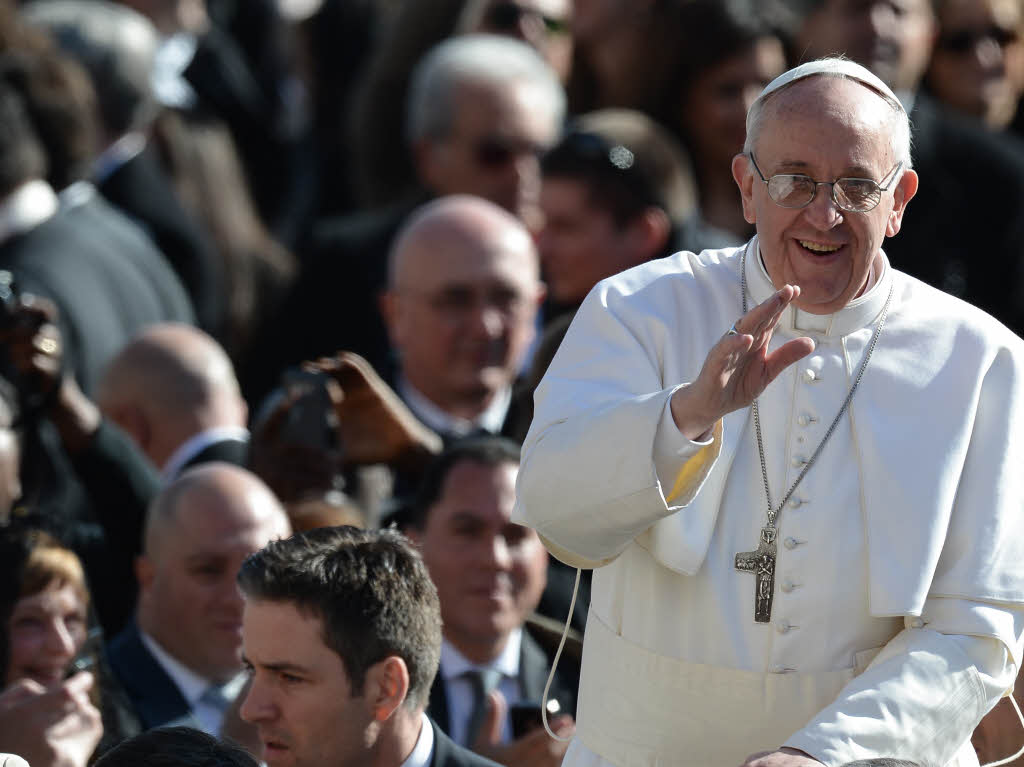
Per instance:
(534,749)
(739,367)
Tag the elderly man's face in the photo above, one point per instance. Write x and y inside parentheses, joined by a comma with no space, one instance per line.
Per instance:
(461,315)
(892,38)
(493,149)
(826,128)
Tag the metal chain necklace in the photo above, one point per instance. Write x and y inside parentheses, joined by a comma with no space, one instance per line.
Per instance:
(761,561)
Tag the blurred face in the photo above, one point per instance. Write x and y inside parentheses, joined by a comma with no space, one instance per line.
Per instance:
(580,243)
(978,60)
(497,135)
(715,112)
(489,572)
(300,698)
(461,316)
(189,601)
(593,20)
(825,128)
(544,24)
(892,38)
(46,630)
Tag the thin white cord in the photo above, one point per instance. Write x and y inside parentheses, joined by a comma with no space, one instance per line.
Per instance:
(554,664)
(1020,718)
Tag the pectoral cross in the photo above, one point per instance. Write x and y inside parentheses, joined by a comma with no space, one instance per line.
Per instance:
(761,562)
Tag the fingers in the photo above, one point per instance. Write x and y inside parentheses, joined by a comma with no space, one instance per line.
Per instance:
(766,315)
(786,355)
(494,720)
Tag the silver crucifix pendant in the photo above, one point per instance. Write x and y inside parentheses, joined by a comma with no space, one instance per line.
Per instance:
(761,562)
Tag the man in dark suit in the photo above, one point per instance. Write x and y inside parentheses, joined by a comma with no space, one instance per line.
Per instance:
(346,681)
(489,574)
(480,111)
(460,309)
(179,660)
(173,389)
(967,234)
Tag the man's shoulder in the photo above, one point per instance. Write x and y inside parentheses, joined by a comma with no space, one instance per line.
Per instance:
(939,313)
(680,271)
(447,753)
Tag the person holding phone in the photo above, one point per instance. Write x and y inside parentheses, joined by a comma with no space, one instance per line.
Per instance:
(46,716)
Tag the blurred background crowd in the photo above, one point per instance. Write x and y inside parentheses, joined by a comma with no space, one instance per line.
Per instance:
(313,244)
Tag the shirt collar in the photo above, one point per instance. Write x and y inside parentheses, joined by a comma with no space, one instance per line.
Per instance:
(117,154)
(191,684)
(26,207)
(196,444)
(423,751)
(859,313)
(455,664)
(491,419)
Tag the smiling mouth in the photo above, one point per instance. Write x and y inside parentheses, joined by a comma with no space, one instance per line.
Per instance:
(819,247)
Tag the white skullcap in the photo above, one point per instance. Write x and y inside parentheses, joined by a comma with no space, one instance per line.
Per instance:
(831,66)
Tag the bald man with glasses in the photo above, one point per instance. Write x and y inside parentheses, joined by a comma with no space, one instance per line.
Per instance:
(794,468)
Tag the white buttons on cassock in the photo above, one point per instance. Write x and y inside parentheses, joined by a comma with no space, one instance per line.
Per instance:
(916,623)
(798,461)
(791,543)
(787,585)
(810,376)
(803,419)
(783,627)
(795,503)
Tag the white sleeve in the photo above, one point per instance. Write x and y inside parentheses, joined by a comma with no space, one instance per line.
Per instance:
(919,700)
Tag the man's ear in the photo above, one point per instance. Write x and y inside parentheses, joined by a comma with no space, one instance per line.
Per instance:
(144,571)
(902,194)
(650,232)
(743,174)
(386,686)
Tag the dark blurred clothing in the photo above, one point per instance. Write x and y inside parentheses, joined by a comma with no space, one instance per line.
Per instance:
(141,188)
(965,232)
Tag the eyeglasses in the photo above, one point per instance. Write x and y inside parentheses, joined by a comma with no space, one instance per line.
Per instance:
(495,153)
(505,17)
(966,40)
(856,195)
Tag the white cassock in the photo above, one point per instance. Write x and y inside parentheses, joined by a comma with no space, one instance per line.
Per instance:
(897,618)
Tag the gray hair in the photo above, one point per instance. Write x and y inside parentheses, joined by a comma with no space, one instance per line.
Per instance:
(899,123)
(115,45)
(474,59)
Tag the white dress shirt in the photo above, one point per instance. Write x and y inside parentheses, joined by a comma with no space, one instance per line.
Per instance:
(192,686)
(491,419)
(459,690)
(196,444)
(423,751)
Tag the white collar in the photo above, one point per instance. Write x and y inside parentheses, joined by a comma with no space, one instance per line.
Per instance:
(130,145)
(491,419)
(191,684)
(195,444)
(454,664)
(423,751)
(859,313)
(26,207)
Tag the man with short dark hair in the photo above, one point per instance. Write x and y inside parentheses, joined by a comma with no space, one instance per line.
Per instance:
(175,747)
(490,574)
(342,634)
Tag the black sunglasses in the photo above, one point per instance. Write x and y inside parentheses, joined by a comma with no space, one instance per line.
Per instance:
(965,40)
(505,17)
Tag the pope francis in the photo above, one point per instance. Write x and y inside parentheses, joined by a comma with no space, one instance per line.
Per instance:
(797,470)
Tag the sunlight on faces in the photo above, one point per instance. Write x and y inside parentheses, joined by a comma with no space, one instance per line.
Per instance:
(300,698)
(189,601)
(892,38)
(978,63)
(45,632)
(488,571)
(492,151)
(461,312)
(580,243)
(715,111)
(825,128)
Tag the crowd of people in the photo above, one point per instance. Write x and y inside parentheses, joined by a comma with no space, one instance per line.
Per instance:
(280,281)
